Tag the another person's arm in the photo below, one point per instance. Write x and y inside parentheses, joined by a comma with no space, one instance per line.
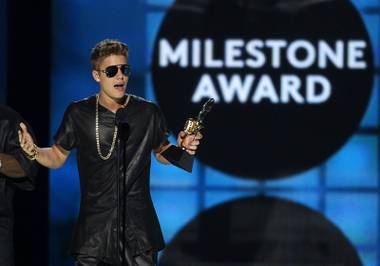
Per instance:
(15,165)
(10,167)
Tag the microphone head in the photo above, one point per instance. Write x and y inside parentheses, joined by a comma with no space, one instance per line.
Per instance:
(123,131)
(122,125)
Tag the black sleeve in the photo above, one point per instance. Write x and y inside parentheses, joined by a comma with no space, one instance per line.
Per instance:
(160,131)
(65,136)
(13,148)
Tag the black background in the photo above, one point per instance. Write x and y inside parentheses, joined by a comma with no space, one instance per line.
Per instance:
(28,92)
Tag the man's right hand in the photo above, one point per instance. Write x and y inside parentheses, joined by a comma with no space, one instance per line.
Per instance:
(26,141)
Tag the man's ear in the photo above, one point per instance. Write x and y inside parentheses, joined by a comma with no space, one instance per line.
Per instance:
(95,75)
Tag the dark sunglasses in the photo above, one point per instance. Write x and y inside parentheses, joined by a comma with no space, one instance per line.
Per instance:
(111,71)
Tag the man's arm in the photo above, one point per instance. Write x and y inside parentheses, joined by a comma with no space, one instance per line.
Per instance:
(10,167)
(51,157)
(189,143)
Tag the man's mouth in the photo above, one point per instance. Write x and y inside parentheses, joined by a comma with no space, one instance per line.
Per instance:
(118,86)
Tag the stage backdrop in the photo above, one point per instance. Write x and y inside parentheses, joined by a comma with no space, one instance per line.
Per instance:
(288,171)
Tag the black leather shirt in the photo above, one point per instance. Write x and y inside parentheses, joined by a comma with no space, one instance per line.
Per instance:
(117,218)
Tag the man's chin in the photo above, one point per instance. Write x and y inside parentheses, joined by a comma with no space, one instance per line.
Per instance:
(115,93)
(119,93)
(120,97)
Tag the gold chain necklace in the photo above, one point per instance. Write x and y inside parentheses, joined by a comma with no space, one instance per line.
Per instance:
(97,134)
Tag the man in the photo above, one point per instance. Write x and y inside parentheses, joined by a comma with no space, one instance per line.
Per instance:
(16,170)
(114,134)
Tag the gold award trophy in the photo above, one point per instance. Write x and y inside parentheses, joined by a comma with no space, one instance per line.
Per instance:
(179,157)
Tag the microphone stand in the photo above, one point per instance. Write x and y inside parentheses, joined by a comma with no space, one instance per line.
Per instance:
(123,134)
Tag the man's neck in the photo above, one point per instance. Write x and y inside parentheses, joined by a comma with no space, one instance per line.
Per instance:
(113,104)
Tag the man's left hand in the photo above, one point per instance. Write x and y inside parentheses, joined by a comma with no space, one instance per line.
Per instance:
(189,143)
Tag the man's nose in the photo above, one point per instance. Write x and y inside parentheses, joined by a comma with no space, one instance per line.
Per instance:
(119,73)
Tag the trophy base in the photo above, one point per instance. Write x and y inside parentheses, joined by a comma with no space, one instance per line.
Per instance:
(179,158)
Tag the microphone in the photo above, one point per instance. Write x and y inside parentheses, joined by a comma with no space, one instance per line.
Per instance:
(124,131)
(122,125)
